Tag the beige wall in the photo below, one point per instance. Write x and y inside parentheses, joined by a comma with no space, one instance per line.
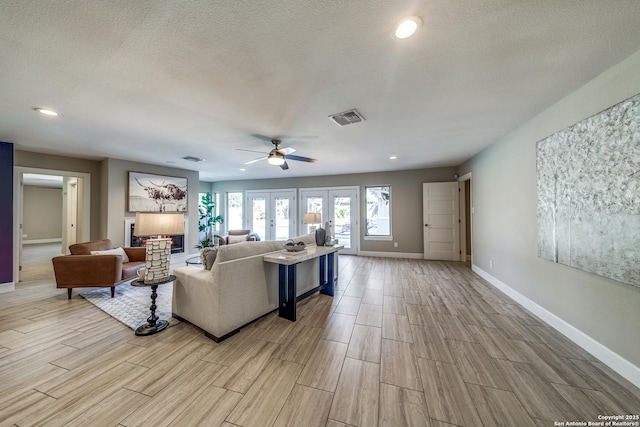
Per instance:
(505,224)
(115,178)
(406,194)
(109,182)
(68,164)
(41,212)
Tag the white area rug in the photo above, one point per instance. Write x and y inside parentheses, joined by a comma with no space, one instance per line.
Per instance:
(131,304)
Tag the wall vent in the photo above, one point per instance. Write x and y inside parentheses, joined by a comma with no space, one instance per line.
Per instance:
(347,117)
(192,159)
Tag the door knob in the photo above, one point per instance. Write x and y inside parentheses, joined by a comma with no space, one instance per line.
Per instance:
(426,225)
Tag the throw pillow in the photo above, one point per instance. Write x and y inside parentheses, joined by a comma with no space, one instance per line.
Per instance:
(116,251)
(208,257)
(237,239)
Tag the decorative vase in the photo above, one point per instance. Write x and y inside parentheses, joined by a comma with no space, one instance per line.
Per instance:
(320,236)
(327,232)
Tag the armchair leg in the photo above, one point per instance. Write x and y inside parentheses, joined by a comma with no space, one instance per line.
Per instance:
(69,293)
(113,291)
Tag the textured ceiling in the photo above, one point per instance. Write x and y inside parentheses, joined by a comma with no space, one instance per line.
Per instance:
(152,81)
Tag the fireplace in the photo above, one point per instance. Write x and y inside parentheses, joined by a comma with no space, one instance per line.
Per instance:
(177,242)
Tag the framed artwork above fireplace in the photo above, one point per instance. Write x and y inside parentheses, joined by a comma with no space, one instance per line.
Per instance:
(157,193)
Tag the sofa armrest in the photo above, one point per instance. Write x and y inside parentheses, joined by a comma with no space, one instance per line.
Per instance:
(136,254)
(196,298)
(87,270)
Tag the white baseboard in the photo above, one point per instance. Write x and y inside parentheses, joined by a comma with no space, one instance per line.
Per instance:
(35,241)
(7,287)
(610,358)
(391,254)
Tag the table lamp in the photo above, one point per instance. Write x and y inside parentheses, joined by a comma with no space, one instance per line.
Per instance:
(158,257)
(316,218)
(311,218)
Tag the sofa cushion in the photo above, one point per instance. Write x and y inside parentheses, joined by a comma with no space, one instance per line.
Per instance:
(87,247)
(116,251)
(308,239)
(245,249)
(237,239)
(208,257)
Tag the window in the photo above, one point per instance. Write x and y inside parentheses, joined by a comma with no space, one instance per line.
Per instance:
(234,211)
(201,223)
(378,200)
(216,211)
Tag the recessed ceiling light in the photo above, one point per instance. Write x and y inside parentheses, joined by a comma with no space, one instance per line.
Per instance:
(393,157)
(47,112)
(242,169)
(406,27)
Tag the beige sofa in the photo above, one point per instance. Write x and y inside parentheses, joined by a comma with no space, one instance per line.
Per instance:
(239,288)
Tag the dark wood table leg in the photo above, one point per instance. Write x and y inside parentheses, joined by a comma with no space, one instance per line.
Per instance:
(153,325)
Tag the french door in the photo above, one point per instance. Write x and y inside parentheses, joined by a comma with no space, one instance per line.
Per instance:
(339,207)
(271,214)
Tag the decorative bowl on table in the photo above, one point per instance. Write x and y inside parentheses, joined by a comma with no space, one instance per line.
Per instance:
(292,246)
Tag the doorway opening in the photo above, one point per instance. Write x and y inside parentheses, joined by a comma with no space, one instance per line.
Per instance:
(51,211)
(466,215)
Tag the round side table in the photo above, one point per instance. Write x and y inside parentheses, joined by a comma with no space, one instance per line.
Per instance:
(196,260)
(153,325)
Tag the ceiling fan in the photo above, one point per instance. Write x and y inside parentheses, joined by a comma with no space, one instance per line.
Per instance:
(278,156)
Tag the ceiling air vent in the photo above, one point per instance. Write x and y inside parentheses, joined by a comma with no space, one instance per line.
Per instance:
(347,117)
(192,159)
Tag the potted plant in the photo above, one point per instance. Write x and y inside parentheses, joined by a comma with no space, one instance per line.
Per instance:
(207,220)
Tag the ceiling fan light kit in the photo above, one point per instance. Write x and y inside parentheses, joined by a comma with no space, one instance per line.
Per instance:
(279,156)
(275,159)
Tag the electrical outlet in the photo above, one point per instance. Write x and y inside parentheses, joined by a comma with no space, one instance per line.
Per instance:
(490,263)
(395,244)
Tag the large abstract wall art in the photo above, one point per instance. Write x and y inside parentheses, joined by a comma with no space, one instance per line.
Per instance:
(589,194)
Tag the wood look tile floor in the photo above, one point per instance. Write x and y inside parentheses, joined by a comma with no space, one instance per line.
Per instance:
(402,343)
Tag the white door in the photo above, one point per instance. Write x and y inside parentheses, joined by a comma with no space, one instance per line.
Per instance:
(69,212)
(343,219)
(282,218)
(313,201)
(257,213)
(441,221)
(339,207)
(271,214)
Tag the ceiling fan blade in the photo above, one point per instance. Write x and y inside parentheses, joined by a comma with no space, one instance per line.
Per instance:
(256,160)
(262,137)
(284,166)
(266,140)
(286,150)
(251,151)
(301,159)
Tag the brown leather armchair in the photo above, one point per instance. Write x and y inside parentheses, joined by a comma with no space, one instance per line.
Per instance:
(235,236)
(83,270)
